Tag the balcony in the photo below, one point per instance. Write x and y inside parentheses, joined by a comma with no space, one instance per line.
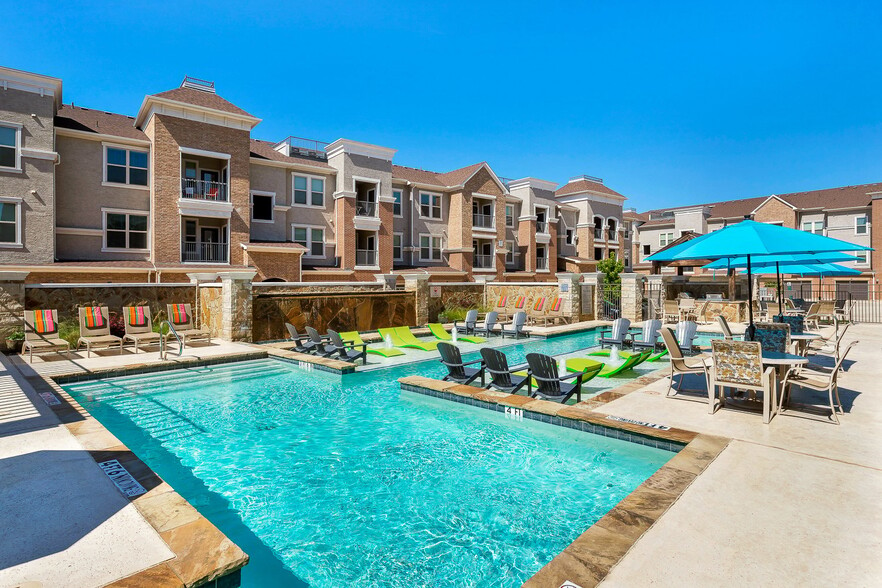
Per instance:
(204,190)
(483,221)
(542,263)
(541,226)
(365,207)
(598,233)
(366,257)
(483,261)
(193,252)
(612,235)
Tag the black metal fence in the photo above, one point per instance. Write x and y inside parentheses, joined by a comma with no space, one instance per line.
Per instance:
(610,302)
(653,300)
(856,300)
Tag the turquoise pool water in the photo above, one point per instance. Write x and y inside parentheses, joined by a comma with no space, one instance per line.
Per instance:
(330,481)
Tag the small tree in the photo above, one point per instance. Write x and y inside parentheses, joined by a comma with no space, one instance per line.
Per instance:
(611,268)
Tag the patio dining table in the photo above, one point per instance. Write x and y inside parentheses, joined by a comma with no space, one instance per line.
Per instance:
(803,340)
(781,362)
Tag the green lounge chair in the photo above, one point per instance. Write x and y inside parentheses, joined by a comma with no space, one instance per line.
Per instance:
(588,367)
(356,339)
(658,355)
(631,360)
(443,335)
(408,340)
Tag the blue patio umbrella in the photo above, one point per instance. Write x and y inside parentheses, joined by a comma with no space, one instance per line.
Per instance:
(817,270)
(750,239)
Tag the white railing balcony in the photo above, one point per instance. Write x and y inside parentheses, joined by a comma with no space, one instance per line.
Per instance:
(204,190)
(541,226)
(365,257)
(365,208)
(192,252)
(612,235)
(541,263)
(483,221)
(483,261)
(598,233)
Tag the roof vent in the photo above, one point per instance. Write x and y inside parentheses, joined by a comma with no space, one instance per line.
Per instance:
(587,178)
(197,84)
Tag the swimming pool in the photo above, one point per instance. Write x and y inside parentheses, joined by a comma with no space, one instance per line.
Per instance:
(329,480)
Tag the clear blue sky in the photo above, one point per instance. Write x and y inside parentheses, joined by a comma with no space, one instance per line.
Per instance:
(670,104)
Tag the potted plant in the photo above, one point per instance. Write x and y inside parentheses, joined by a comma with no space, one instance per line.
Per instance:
(14,340)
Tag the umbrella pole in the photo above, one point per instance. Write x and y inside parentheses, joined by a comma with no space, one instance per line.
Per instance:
(780,302)
(750,328)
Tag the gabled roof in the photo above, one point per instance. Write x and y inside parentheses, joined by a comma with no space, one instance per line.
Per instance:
(203,99)
(264,150)
(87,120)
(583,185)
(449,179)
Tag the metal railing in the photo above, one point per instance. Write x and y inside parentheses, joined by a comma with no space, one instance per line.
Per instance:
(163,343)
(483,261)
(610,303)
(365,257)
(204,190)
(598,233)
(303,146)
(541,263)
(611,235)
(484,221)
(541,226)
(204,252)
(365,208)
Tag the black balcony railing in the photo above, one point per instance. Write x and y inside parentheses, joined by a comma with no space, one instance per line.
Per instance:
(204,190)
(365,257)
(365,208)
(482,221)
(541,226)
(483,261)
(203,252)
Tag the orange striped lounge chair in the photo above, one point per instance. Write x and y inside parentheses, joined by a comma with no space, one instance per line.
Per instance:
(139,326)
(95,329)
(181,317)
(41,333)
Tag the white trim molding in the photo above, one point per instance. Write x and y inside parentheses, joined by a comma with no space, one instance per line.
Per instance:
(351,147)
(25,81)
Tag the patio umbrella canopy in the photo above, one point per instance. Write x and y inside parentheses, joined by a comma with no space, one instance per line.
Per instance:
(788,259)
(750,239)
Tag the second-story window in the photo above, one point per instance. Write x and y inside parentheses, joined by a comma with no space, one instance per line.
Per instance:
(430,205)
(125,166)
(860,225)
(570,237)
(262,206)
(10,146)
(509,252)
(509,215)
(10,221)
(430,248)
(313,238)
(397,252)
(124,230)
(665,239)
(816,227)
(396,206)
(309,191)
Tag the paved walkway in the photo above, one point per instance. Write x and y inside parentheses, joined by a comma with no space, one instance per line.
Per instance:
(792,503)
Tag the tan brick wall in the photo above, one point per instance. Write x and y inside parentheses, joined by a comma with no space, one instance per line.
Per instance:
(585,246)
(773,211)
(344,209)
(527,244)
(275,265)
(168,134)
(876,235)
(384,237)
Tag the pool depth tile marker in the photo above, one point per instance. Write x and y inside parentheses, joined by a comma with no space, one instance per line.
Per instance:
(121,478)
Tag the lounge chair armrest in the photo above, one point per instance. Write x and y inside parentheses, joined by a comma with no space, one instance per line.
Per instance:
(570,375)
(520,368)
(474,361)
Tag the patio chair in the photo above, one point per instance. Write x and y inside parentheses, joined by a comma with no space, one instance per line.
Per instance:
(791,308)
(139,326)
(457,370)
(679,365)
(672,311)
(41,333)
(840,309)
(796,322)
(468,326)
(617,333)
(773,336)
(437,329)
(687,309)
(95,329)
(405,334)
(487,327)
(739,365)
(812,318)
(830,346)
(502,377)
(549,384)
(631,360)
(321,345)
(537,311)
(724,326)
(348,352)
(181,317)
(301,345)
(516,326)
(502,305)
(826,309)
(686,332)
(354,338)
(821,381)
(649,335)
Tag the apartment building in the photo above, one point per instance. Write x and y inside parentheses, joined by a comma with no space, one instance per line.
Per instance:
(183,188)
(843,213)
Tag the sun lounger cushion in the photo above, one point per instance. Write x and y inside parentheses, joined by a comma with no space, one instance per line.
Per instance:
(93,317)
(519,304)
(179,314)
(137,317)
(503,300)
(540,304)
(556,306)
(44,322)
(355,339)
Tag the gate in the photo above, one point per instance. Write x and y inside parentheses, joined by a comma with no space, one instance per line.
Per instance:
(610,302)
(653,300)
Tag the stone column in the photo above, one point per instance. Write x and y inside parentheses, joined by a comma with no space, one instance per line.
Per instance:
(571,293)
(595,280)
(632,296)
(236,305)
(12,303)
(419,285)
(388,281)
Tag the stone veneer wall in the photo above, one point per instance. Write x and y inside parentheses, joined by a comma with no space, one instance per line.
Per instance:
(341,311)
(530,291)
(67,299)
(211,308)
(462,295)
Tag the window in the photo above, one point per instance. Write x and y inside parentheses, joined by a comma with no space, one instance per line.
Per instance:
(125,166)
(10,216)
(863,258)
(430,205)
(627,262)
(396,206)
(124,230)
(509,252)
(816,227)
(509,215)
(10,146)
(598,253)
(665,239)
(262,206)
(860,225)
(397,251)
(309,191)
(430,248)
(646,250)
(570,237)
(312,238)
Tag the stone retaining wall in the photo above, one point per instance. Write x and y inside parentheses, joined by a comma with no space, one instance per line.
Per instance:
(68,299)
(461,295)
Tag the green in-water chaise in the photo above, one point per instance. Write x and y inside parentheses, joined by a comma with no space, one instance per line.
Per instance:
(588,367)
(356,339)
(609,370)
(443,335)
(400,339)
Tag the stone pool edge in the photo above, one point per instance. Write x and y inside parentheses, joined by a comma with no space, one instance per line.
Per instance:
(589,558)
